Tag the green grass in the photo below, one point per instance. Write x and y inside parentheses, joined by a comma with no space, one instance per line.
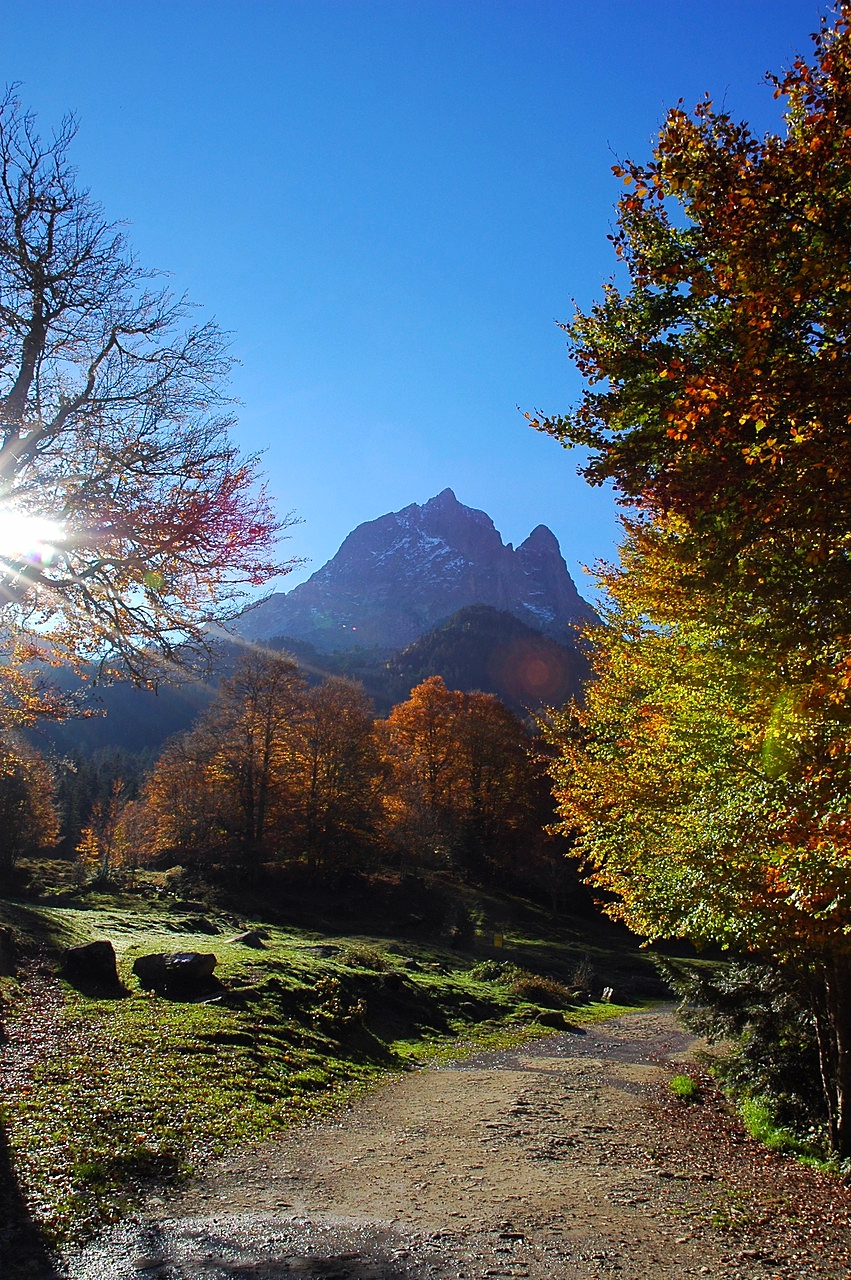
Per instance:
(131,1091)
(684,1088)
(759,1121)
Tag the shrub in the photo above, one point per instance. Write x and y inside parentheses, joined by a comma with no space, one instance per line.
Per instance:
(335,1010)
(584,975)
(684,1088)
(502,971)
(760,1011)
(362,956)
(544,991)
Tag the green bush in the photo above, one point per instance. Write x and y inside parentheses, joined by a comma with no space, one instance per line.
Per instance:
(761,1014)
(502,971)
(336,1011)
(362,956)
(684,1088)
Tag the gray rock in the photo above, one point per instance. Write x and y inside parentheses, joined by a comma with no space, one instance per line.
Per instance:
(180,973)
(251,938)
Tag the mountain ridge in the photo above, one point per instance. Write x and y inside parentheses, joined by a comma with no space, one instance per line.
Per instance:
(400,575)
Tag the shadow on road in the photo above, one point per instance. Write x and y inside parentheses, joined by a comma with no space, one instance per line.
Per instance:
(22,1250)
(302,1251)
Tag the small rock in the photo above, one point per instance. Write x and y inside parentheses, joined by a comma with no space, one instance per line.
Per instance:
(199,924)
(251,938)
(550,1018)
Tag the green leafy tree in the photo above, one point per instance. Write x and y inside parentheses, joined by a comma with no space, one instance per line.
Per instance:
(709,775)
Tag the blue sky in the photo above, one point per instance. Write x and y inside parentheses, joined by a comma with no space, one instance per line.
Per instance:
(390,204)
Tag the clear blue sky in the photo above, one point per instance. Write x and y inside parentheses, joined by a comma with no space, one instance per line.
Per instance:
(390,203)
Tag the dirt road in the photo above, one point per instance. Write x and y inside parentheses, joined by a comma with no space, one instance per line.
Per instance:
(564,1160)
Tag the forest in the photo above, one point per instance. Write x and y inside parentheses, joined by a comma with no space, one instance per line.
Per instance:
(282,781)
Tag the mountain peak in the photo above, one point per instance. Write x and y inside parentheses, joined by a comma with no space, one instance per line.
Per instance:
(446,498)
(541,538)
(396,577)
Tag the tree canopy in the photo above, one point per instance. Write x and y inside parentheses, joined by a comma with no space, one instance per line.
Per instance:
(717,378)
(708,774)
(128,518)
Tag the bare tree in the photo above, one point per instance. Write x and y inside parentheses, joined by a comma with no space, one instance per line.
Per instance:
(128,519)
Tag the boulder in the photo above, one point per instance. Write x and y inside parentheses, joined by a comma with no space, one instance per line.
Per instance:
(198,924)
(181,973)
(92,968)
(551,1018)
(251,938)
(8,954)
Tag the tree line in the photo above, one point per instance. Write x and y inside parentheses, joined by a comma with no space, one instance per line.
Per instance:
(279,772)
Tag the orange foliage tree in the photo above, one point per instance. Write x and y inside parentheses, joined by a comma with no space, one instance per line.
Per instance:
(461,787)
(710,773)
(340,776)
(225,787)
(274,772)
(28,817)
(101,845)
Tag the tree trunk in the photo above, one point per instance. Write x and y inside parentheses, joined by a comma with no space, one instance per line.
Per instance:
(833,1025)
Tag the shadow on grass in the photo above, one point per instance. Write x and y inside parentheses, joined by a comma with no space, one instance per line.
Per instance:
(22,1250)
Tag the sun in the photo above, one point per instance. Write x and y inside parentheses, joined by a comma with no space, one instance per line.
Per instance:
(26,536)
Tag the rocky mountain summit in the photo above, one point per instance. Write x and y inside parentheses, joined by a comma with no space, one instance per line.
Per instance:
(396,577)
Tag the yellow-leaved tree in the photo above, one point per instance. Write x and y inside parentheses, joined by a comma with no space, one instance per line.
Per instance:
(709,775)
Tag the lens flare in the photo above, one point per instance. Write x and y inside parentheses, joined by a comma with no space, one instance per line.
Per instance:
(28,537)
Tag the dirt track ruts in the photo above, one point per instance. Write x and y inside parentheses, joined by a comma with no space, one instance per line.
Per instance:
(563,1160)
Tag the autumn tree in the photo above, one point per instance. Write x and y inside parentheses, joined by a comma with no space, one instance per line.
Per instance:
(710,773)
(178,801)
(28,817)
(339,776)
(226,786)
(500,782)
(100,842)
(419,745)
(128,519)
(462,781)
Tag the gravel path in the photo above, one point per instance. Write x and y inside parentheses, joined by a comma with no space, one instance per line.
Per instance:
(564,1160)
